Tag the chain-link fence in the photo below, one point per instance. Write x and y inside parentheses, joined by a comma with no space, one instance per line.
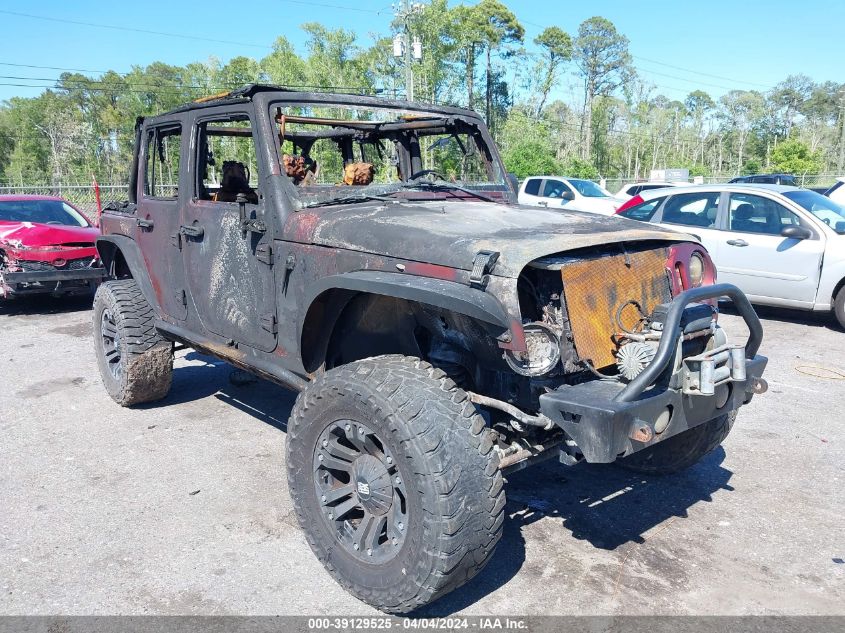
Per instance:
(80,196)
(83,197)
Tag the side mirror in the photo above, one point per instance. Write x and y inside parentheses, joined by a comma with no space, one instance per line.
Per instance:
(797,232)
(567,195)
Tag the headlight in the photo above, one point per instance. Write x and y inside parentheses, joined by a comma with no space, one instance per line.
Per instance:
(696,270)
(542,355)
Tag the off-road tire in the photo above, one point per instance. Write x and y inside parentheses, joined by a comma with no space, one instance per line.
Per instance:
(146,363)
(839,307)
(455,496)
(682,450)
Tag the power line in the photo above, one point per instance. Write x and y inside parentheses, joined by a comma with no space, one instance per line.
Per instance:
(697,72)
(114,27)
(77,70)
(333,6)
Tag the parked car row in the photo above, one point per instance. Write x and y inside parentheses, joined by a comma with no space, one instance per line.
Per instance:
(781,245)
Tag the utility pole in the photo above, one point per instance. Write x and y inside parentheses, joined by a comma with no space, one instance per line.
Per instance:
(406,46)
(841,162)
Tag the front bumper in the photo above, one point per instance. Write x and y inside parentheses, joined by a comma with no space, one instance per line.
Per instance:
(49,281)
(608,420)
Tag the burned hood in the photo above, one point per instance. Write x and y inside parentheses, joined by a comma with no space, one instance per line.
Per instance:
(450,233)
(24,235)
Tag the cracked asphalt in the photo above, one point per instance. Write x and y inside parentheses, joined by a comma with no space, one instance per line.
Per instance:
(182,507)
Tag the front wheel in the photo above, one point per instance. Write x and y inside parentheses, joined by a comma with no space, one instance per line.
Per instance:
(682,450)
(394,481)
(839,307)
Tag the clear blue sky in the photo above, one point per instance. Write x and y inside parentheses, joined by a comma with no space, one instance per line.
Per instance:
(679,46)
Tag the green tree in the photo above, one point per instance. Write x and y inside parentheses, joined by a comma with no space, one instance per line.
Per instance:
(531,158)
(499,27)
(575,167)
(601,55)
(794,157)
(557,49)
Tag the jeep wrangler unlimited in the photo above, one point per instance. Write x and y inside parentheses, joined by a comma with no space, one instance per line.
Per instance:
(370,255)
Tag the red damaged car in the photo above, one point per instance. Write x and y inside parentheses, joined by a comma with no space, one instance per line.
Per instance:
(46,247)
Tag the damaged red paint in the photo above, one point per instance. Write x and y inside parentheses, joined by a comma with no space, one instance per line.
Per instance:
(30,250)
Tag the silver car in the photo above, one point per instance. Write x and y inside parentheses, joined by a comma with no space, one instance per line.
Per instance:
(783,246)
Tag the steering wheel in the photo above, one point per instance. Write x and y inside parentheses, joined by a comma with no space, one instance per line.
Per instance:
(426,172)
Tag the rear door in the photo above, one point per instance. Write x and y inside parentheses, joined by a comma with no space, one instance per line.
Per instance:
(695,213)
(753,255)
(161,162)
(229,264)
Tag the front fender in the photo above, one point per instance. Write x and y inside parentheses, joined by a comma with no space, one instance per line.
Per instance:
(119,249)
(328,297)
(449,295)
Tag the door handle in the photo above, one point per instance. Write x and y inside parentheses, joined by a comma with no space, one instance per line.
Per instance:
(737,242)
(543,203)
(146,225)
(191,231)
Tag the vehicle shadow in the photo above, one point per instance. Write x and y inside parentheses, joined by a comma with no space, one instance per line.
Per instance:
(602,505)
(46,304)
(788,315)
(208,376)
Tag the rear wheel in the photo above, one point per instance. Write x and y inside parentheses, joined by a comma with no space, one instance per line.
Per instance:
(135,362)
(394,481)
(682,450)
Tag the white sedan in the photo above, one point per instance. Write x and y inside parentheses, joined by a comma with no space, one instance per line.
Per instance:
(837,192)
(632,189)
(576,194)
(783,246)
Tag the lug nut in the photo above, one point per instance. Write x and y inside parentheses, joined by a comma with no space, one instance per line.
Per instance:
(389,459)
(355,546)
(323,498)
(369,552)
(325,443)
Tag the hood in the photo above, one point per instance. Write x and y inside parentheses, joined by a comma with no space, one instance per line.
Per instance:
(450,233)
(22,235)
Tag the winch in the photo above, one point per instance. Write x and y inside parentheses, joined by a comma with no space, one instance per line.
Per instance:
(710,363)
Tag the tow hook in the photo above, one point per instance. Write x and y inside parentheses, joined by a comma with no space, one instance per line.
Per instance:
(641,433)
(758,386)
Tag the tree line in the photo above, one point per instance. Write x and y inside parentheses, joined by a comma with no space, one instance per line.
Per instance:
(616,124)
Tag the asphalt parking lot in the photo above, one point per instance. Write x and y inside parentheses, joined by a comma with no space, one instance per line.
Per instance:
(182,507)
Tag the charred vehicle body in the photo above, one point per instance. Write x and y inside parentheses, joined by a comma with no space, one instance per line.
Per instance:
(46,247)
(370,255)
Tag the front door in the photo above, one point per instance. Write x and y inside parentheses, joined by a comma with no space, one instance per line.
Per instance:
(158,216)
(226,246)
(753,255)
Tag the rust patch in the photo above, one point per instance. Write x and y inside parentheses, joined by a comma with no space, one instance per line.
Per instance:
(594,289)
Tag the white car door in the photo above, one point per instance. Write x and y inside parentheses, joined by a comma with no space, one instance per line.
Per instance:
(695,213)
(753,254)
(530,192)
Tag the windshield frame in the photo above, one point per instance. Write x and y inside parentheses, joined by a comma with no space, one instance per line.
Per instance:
(459,122)
(796,196)
(72,212)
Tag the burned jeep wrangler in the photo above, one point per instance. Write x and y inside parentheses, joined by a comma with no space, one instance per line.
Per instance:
(370,255)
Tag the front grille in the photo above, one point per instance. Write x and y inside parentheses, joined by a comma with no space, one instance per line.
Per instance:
(594,288)
(30,266)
